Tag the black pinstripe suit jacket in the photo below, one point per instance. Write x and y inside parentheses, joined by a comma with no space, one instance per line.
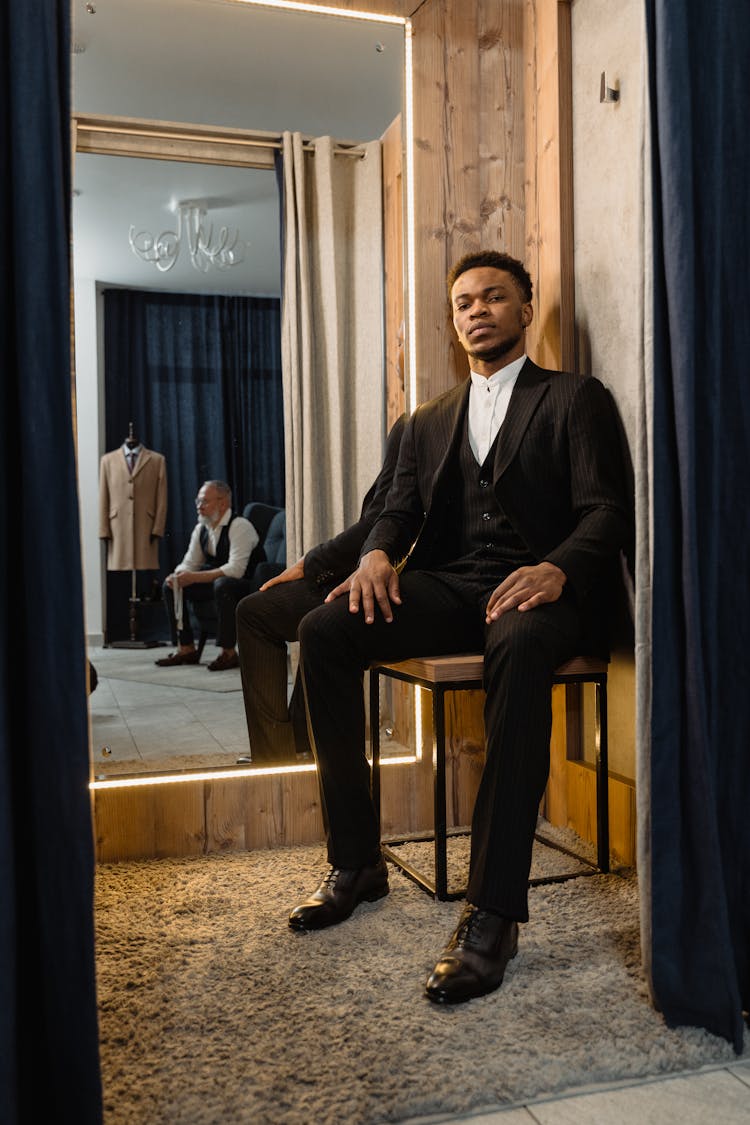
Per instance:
(558,475)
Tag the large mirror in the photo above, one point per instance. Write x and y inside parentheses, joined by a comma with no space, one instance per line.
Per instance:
(206,64)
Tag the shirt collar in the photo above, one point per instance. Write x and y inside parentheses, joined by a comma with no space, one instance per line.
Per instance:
(500,377)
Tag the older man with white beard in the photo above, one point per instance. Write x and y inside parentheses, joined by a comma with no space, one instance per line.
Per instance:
(221,554)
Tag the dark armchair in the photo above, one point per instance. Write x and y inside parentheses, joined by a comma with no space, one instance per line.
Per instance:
(274,548)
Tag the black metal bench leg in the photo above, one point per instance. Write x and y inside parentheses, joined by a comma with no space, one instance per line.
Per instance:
(439,787)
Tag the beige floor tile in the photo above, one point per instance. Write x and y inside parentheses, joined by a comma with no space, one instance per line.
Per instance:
(741,1070)
(514,1115)
(714,1097)
(111,740)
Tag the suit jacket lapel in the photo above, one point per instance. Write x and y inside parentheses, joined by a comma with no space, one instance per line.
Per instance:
(530,387)
(447,434)
(143,457)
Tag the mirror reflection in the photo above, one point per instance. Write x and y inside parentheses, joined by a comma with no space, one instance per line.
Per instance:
(204,63)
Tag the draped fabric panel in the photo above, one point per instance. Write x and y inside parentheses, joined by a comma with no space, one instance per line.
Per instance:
(699,764)
(643,477)
(332,335)
(48,1023)
(200,378)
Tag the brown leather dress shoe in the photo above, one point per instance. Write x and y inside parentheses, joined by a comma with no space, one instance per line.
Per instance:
(341,891)
(224,661)
(178,658)
(474,960)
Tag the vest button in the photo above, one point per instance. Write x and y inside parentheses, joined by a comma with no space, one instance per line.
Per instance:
(486,516)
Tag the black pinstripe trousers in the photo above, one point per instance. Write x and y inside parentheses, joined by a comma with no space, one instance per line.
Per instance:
(522,650)
(265,622)
(225,593)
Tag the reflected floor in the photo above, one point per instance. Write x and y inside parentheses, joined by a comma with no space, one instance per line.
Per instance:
(145,718)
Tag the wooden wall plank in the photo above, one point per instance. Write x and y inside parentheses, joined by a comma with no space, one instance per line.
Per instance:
(549,156)
(469,146)
(555,803)
(436,351)
(394,274)
(581,816)
(149,822)
(461,129)
(501,137)
(238,814)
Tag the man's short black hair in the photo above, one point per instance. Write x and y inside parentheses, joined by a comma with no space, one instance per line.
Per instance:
(496,260)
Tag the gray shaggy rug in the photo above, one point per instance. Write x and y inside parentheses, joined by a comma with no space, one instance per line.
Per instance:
(212,1012)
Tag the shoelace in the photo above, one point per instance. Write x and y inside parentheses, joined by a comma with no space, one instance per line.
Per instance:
(329,880)
(469,930)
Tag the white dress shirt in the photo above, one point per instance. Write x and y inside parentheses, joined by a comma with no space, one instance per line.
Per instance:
(243,538)
(488,405)
(133,453)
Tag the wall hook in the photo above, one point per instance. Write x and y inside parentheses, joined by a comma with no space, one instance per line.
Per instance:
(606,93)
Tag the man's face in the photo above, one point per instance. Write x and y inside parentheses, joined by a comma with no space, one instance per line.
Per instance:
(210,506)
(489,316)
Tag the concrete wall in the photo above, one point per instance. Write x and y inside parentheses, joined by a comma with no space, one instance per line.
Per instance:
(608,248)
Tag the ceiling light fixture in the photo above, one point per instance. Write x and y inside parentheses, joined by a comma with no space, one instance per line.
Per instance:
(162,251)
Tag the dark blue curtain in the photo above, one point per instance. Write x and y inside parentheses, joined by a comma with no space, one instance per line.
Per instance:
(200,378)
(48,1028)
(700,767)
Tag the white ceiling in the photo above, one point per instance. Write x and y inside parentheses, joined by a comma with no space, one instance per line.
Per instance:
(217,62)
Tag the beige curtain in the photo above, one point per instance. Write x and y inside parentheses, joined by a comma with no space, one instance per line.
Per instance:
(332,335)
(644,538)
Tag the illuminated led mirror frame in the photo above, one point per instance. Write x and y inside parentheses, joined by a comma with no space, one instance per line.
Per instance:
(219,774)
(291,6)
(401,21)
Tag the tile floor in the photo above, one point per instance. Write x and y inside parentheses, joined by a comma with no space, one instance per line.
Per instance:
(710,1096)
(147,719)
(144,725)
(193,718)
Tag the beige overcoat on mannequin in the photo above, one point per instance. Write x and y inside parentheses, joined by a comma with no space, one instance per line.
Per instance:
(132,510)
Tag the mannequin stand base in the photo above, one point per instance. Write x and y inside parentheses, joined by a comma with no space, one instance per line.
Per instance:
(135,604)
(136,644)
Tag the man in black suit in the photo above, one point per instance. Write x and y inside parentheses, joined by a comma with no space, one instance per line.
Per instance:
(509,506)
(266,620)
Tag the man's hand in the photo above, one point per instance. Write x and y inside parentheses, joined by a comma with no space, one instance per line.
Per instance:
(292,574)
(342,588)
(526,587)
(182,578)
(375,580)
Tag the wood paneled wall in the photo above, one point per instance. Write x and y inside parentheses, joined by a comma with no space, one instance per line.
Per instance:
(394,278)
(468,159)
(198,817)
(549,181)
